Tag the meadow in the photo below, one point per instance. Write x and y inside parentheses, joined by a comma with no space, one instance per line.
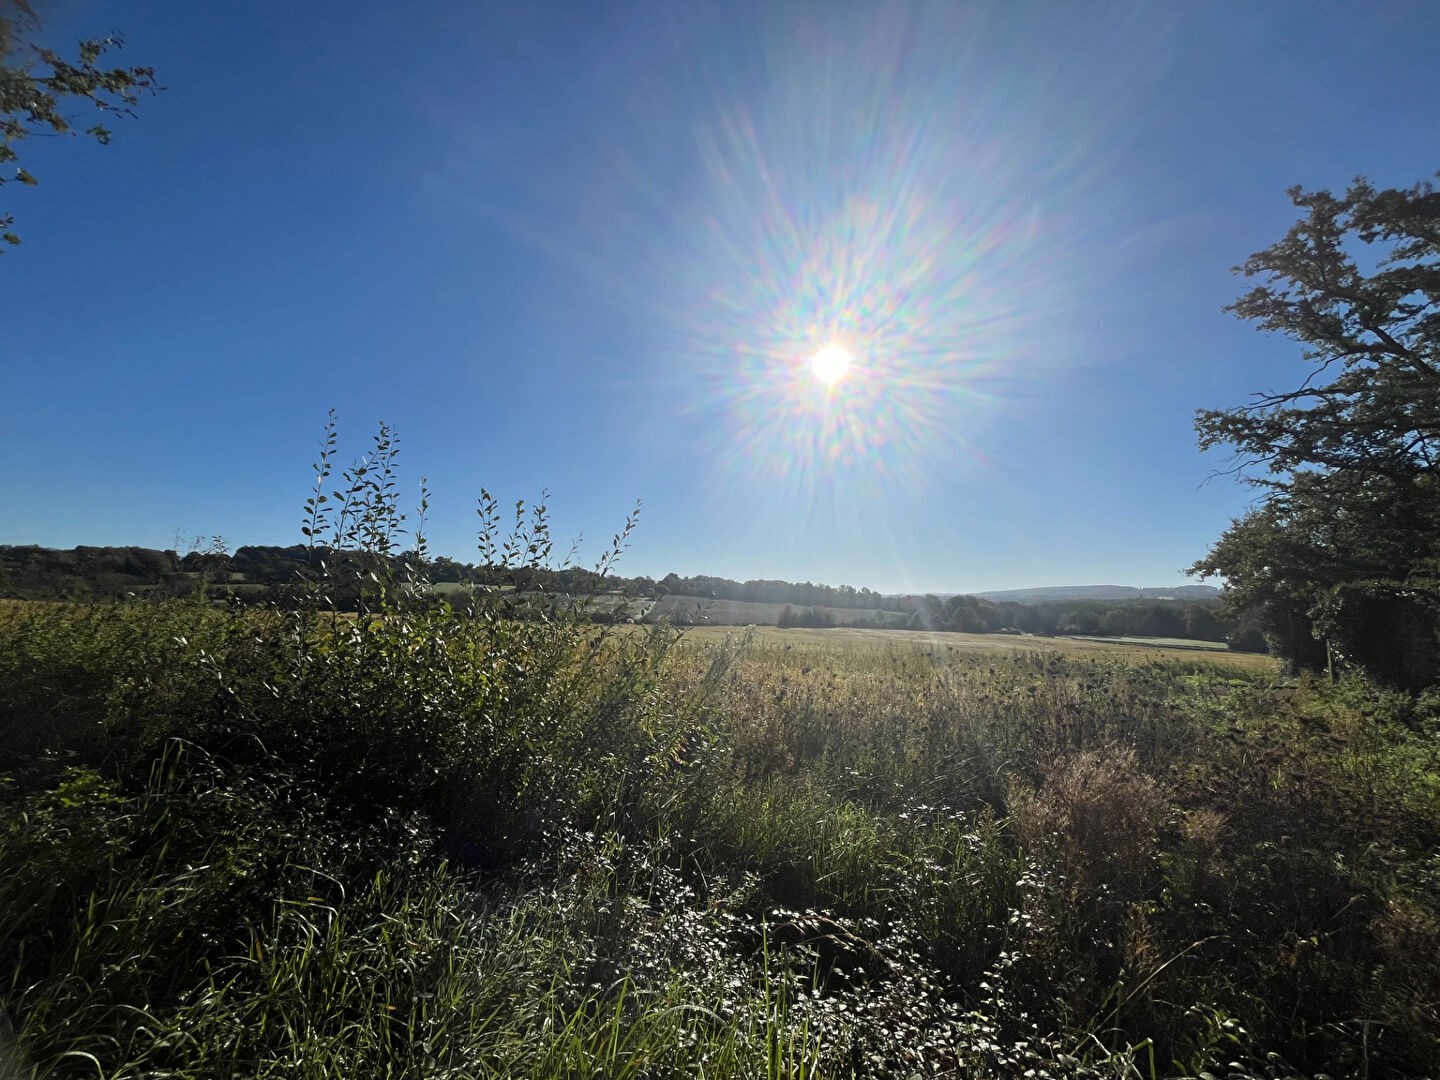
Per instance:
(840,641)
(457,843)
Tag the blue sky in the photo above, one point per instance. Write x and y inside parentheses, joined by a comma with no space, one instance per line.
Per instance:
(591,248)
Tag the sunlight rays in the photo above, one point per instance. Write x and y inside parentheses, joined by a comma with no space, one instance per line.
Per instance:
(859,209)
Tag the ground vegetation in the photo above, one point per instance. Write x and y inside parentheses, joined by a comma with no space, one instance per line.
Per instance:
(473,840)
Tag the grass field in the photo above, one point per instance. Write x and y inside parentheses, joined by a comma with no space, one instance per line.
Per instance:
(275,844)
(695,611)
(841,641)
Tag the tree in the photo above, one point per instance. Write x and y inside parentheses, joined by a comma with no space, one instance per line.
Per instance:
(1202,623)
(1345,544)
(37,84)
(1273,582)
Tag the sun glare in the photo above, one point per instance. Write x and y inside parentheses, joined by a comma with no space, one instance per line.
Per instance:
(863,279)
(831,363)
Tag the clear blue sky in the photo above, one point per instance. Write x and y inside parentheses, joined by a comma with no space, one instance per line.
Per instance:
(591,248)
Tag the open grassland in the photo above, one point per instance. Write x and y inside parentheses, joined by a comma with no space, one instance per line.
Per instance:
(845,641)
(695,611)
(286,844)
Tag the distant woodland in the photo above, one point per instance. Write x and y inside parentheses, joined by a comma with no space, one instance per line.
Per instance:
(270,574)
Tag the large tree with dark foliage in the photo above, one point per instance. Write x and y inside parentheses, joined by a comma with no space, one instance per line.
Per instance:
(1344,547)
(38,86)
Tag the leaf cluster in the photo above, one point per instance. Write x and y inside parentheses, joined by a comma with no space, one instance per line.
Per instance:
(38,85)
(1356,282)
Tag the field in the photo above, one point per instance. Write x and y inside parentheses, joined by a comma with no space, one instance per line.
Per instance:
(287,844)
(844,641)
(698,611)
(690,610)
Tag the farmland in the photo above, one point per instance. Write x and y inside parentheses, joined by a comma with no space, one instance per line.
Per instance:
(846,641)
(693,611)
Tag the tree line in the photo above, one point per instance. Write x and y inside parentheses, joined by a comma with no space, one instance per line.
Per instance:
(1196,619)
(270,574)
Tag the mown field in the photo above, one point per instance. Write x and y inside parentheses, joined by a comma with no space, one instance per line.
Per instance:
(841,642)
(426,844)
(693,611)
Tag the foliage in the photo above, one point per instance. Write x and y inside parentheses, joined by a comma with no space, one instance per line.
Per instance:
(37,84)
(1347,541)
(485,837)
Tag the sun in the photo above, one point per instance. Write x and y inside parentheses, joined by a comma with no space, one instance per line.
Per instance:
(831,363)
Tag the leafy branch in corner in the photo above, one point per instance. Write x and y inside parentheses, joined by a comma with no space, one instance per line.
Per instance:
(37,84)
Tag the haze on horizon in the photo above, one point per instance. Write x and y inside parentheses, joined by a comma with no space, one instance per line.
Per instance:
(920,298)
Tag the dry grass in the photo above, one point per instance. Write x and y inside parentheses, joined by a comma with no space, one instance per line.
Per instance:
(844,640)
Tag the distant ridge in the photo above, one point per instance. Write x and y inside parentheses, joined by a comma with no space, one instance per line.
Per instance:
(1103,592)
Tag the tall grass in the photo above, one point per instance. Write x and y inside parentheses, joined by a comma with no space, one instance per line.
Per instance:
(488,838)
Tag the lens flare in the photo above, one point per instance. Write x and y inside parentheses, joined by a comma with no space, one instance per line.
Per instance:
(860,281)
(920,184)
(831,363)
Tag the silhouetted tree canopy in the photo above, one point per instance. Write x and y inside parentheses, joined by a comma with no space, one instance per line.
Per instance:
(1345,546)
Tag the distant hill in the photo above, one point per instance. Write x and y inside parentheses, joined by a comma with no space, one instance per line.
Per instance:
(1102,592)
